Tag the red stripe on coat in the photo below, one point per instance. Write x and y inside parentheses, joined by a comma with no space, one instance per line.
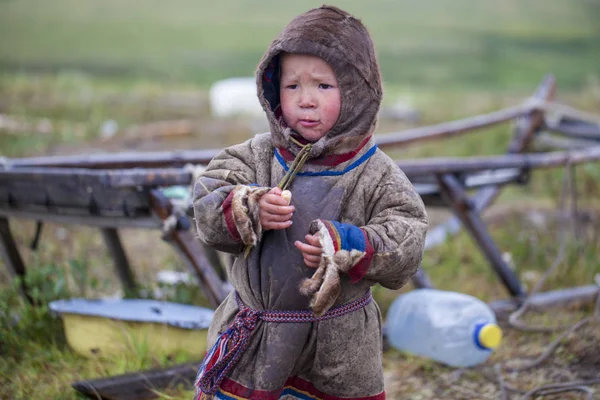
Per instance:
(293,383)
(228,213)
(329,160)
(357,272)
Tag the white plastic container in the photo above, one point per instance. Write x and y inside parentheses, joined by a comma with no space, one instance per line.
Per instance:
(453,328)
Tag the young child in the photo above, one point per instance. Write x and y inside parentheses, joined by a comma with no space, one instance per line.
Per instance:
(286,331)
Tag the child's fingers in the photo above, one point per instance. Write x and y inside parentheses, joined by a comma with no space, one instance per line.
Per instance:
(276,190)
(310,253)
(308,249)
(267,217)
(311,264)
(273,201)
(276,210)
(310,259)
(276,225)
(313,240)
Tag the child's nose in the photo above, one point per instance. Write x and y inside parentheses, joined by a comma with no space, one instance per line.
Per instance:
(307,99)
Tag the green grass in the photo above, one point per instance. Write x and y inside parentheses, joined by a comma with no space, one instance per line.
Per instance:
(429,43)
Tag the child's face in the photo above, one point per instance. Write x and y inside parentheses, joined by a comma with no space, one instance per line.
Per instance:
(310,95)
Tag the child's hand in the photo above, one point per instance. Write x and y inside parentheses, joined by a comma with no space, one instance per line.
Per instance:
(275,213)
(311,251)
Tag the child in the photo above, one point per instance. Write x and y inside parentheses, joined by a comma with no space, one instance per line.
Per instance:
(353,214)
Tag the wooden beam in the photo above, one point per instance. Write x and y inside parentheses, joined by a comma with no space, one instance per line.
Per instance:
(451,129)
(524,132)
(100,222)
(138,385)
(11,256)
(570,297)
(449,165)
(182,238)
(120,160)
(464,209)
(113,242)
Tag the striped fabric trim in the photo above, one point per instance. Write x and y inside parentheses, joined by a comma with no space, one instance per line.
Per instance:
(349,168)
(349,237)
(294,386)
(232,343)
(228,214)
(358,272)
(330,160)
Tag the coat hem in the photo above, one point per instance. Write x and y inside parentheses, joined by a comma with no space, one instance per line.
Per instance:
(294,386)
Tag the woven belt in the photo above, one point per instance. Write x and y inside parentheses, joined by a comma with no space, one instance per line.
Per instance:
(232,343)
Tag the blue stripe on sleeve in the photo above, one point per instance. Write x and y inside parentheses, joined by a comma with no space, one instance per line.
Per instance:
(351,237)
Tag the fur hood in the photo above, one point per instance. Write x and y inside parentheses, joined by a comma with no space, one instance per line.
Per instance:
(344,43)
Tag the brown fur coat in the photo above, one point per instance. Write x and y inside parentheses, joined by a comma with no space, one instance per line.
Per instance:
(371,222)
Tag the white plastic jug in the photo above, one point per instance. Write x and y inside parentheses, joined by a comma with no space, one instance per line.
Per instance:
(453,328)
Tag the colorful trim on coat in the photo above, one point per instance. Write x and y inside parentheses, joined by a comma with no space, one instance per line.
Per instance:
(228,214)
(294,386)
(349,168)
(330,160)
(349,237)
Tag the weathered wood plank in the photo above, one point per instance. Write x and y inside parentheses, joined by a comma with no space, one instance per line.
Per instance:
(10,254)
(111,238)
(148,222)
(138,385)
(190,249)
(525,129)
(420,167)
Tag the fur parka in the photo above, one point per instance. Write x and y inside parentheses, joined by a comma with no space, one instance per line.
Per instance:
(370,221)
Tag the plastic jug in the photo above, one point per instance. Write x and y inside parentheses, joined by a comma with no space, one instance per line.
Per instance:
(453,328)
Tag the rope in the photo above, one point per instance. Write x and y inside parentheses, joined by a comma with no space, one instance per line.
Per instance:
(232,343)
(298,163)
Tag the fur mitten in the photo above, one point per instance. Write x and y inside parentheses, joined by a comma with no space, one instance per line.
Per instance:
(324,286)
(245,210)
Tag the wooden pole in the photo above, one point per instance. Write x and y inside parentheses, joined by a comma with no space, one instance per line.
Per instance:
(113,242)
(12,257)
(451,129)
(526,128)
(189,247)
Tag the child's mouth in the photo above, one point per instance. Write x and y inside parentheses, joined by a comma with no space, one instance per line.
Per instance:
(308,123)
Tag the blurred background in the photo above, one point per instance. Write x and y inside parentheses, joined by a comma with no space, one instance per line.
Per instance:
(96,67)
(93,76)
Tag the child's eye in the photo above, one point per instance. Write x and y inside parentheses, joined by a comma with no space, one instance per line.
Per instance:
(325,86)
(291,86)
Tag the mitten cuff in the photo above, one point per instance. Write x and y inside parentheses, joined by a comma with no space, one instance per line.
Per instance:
(241,213)
(347,244)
